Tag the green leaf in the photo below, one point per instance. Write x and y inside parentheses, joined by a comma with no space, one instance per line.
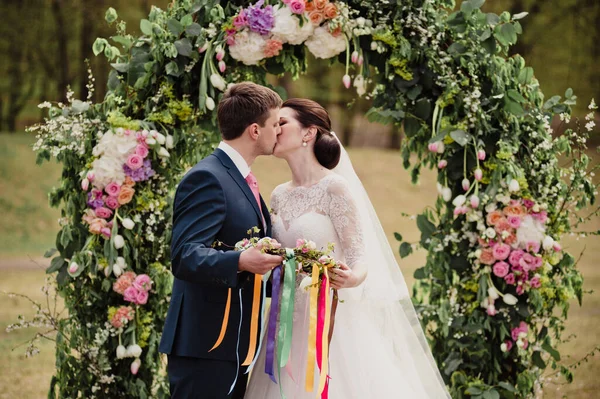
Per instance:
(184,47)
(474,391)
(55,265)
(492,19)
(420,274)
(411,126)
(175,26)
(569,93)
(122,67)
(489,45)
(123,40)
(427,229)
(506,386)
(548,348)
(457,48)
(525,75)
(111,15)
(461,137)
(491,394)
(194,29)
(466,7)
(49,253)
(187,20)
(516,96)
(172,69)
(146,27)
(508,31)
(513,107)
(476,3)
(487,33)
(398,236)
(405,249)
(62,277)
(98,46)
(537,360)
(520,15)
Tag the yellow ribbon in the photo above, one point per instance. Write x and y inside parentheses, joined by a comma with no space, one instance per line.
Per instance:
(254,320)
(225,321)
(312,330)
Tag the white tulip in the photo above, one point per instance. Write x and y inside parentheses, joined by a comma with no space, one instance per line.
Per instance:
(121,263)
(490,232)
(150,141)
(119,241)
(163,153)
(134,350)
(510,299)
(107,271)
(493,293)
(446,194)
(504,347)
(210,103)
(459,200)
(121,352)
(169,142)
(548,243)
(439,188)
(513,186)
(128,223)
(485,303)
(160,138)
(218,82)
(116,269)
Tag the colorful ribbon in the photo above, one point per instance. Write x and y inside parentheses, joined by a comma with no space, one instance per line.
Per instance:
(272,327)
(323,336)
(312,330)
(254,320)
(265,278)
(287,308)
(224,323)
(237,345)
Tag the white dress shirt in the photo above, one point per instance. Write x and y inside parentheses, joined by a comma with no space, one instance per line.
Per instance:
(237,159)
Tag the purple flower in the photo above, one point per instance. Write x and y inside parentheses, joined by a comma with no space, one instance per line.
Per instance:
(94,199)
(260,20)
(141,174)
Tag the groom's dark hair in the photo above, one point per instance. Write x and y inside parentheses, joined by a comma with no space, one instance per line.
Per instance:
(244,104)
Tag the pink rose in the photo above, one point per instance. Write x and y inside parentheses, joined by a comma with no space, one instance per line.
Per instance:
(142,297)
(520,290)
(273,47)
(501,269)
(501,251)
(240,20)
(112,189)
(105,232)
(103,212)
(112,202)
(533,246)
(535,282)
(487,256)
(123,282)
(142,150)
(142,282)
(527,262)
(509,345)
(528,203)
(135,161)
(122,316)
(131,294)
(514,221)
(509,278)
(502,226)
(517,330)
(537,262)
(515,257)
(300,242)
(297,6)
(305,250)
(541,217)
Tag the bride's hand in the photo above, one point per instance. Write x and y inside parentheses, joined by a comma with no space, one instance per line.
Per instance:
(342,277)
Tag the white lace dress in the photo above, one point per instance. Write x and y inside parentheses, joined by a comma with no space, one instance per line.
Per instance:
(360,364)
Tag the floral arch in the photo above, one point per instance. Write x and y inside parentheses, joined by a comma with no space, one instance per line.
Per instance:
(495,272)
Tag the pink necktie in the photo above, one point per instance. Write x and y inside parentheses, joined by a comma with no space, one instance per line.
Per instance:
(253,183)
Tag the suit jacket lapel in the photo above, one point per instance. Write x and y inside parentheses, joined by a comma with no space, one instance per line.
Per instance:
(239,179)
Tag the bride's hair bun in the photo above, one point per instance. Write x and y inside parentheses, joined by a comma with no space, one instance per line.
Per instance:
(310,113)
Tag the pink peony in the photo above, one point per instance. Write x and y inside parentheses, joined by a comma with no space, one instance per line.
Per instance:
(501,269)
(528,203)
(240,20)
(520,290)
(527,262)
(541,216)
(509,278)
(112,189)
(535,282)
(142,150)
(135,161)
(143,283)
(297,6)
(533,246)
(515,257)
(103,212)
(273,47)
(537,262)
(501,251)
(517,330)
(122,316)
(131,294)
(112,202)
(106,232)
(514,221)
(503,226)
(487,256)
(123,282)
(494,217)
(141,298)
(509,345)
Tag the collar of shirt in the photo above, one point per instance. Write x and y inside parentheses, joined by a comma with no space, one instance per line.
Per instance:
(237,159)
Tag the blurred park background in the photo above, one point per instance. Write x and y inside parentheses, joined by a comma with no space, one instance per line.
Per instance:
(43,45)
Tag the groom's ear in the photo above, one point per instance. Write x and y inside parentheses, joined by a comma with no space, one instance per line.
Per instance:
(253,131)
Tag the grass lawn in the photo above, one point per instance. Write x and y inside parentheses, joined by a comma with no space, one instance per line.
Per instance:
(28,228)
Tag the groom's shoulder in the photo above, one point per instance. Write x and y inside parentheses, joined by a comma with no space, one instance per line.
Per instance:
(207,166)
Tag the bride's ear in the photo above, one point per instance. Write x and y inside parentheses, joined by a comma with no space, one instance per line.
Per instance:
(310,134)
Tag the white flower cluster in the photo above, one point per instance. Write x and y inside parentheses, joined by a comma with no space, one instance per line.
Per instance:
(287,26)
(248,48)
(323,44)
(111,151)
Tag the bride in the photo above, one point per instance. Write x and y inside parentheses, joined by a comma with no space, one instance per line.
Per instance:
(378,349)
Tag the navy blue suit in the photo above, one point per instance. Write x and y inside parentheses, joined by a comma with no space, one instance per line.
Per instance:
(213,202)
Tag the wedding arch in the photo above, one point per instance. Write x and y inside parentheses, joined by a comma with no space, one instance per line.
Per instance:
(495,271)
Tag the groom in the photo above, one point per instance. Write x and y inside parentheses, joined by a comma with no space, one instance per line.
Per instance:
(218,200)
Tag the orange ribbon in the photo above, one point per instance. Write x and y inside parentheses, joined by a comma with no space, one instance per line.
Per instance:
(225,321)
(254,320)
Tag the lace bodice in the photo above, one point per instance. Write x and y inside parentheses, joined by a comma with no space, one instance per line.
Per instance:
(324,212)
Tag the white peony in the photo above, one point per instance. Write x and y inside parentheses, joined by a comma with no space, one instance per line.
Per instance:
(548,243)
(531,230)
(287,26)
(107,170)
(249,47)
(323,44)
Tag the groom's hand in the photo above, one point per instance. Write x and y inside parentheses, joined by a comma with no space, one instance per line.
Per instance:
(254,261)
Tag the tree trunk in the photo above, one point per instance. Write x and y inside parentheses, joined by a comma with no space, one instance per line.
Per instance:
(62,55)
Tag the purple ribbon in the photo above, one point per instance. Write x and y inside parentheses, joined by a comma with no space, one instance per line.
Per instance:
(272,328)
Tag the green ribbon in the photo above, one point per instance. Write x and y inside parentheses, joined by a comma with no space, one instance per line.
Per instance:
(287,308)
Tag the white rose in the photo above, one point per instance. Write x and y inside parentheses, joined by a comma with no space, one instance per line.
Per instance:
(218,82)
(490,232)
(119,241)
(503,347)
(548,243)
(287,26)
(493,293)
(323,44)
(491,207)
(513,186)
(510,299)
(128,223)
(249,48)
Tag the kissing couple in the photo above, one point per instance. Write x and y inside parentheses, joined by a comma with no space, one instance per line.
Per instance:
(378,348)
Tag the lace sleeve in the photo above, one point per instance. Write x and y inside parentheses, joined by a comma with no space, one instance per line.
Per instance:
(346,220)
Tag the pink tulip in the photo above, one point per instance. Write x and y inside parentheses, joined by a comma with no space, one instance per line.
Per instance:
(478,174)
(442,164)
(481,155)
(91,176)
(360,60)
(220,54)
(491,310)
(466,184)
(135,366)
(222,66)
(346,80)
(85,184)
(474,201)
(433,147)
(354,57)
(203,48)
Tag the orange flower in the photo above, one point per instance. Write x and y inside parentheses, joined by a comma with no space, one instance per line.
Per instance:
(503,225)
(514,210)
(310,6)
(320,4)
(125,195)
(511,239)
(336,32)
(330,11)
(487,256)
(316,17)
(97,225)
(128,182)
(494,217)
